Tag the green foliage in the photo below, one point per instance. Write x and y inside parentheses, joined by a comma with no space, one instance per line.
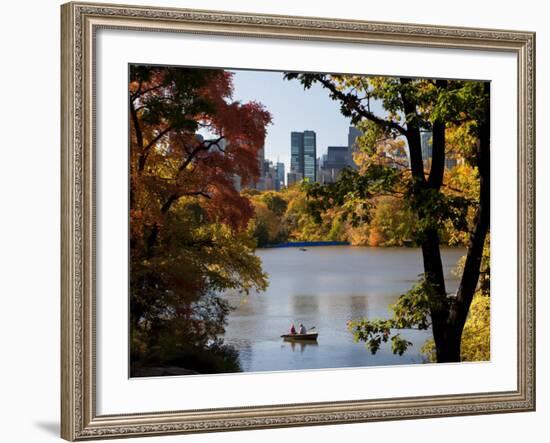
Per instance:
(439,210)
(462,141)
(393,223)
(373,333)
(302,220)
(442,206)
(212,358)
(337,229)
(460,98)
(411,311)
(266,227)
(188,236)
(352,193)
(476,338)
(275,203)
(342,212)
(200,259)
(484,284)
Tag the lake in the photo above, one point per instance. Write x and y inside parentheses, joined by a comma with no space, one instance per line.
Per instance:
(325,287)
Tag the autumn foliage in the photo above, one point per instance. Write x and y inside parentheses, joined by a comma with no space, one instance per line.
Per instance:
(189,144)
(457,115)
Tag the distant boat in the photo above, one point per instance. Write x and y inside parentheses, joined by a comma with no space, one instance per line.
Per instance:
(307,336)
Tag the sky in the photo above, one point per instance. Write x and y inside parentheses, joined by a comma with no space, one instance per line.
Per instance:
(292,109)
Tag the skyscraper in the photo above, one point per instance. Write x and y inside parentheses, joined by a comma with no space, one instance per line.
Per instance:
(280,174)
(293,177)
(336,159)
(271,181)
(426,146)
(353,133)
(310,156)
(303,154)
(297,152)
(260,183)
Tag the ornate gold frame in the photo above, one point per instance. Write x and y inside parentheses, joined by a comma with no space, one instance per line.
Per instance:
(79,420)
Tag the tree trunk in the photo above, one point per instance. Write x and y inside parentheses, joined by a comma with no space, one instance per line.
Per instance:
(446,343)
(448,347)
(433,273)
(435,180)
(413,140)
(472,266)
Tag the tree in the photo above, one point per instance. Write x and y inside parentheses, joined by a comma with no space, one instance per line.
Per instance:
(392,222)
(444,107)
(476,337)
(275,203)
(265,226)
(188,239)
(169,160)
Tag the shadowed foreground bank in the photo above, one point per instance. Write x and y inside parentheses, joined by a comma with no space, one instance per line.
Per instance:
(185,360)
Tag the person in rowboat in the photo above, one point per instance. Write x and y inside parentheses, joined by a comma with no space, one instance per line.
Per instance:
(292,329)
(302,329)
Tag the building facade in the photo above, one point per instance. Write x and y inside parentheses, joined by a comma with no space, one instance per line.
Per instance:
(451,160)
(293,177)
(310,156)
(280,168)
(426,146)
(297,152)
(353,133)
(303,154)
(335,161)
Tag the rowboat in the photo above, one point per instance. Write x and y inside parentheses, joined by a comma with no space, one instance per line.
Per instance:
(307,336)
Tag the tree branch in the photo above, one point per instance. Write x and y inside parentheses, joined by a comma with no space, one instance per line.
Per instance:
(435,179)
(202,147)
(472,266)
(146,149)
(413,137)
(137,127)
(139,92)
(136,94)
(349,100)
(175,197)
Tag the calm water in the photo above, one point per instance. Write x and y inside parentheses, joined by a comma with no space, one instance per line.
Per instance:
(325,287)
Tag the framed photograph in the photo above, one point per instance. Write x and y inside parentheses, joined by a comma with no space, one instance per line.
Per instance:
(277,221)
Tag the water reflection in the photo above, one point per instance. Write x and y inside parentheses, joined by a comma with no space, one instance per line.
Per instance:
(357,303)
(298,345)
(326,287)
(305,303)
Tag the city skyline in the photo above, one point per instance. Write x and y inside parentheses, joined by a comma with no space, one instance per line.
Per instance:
(207,222)
(294,109)
(305,163)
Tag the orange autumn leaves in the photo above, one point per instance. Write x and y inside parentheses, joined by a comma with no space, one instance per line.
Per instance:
(190,140)
(190,143)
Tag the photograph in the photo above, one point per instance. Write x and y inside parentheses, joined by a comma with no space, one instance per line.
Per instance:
(283,221)
(273,219)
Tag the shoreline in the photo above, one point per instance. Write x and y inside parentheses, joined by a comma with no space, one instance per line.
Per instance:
(314,244)
(311,244)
